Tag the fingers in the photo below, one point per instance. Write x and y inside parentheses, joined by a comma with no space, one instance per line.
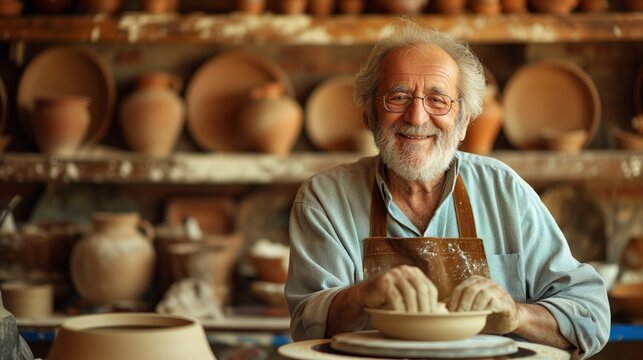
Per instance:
(477,293)
(404,288)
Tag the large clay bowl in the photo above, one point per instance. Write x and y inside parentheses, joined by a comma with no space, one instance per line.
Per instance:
(628,299)
(549,94)
(130,336)
(217,91)
(69,71)
(333,120)
(428,327)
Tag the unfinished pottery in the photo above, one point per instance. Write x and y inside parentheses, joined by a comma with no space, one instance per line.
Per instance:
(271,121)
(152,116)
(130,336)
(115,260)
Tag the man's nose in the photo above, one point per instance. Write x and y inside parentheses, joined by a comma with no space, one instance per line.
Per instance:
(416,114)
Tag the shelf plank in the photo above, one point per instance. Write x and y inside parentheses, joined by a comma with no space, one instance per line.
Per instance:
(246,168)
(236,28)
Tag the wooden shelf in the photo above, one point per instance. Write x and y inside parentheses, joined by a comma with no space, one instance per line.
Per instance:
(235,28)
(249,168)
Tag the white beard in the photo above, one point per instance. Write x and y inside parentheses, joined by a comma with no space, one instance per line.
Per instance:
(409,161)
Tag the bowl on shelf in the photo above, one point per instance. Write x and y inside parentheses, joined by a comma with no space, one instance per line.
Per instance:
(552,94)
(627,140)
(628,299)
(564,140)
(428,327)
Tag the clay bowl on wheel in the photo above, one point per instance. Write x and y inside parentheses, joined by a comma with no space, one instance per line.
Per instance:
(428,327)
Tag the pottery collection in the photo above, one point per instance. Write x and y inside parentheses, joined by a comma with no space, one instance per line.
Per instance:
(60,123)
(153,115)
(271,120)
(114,261)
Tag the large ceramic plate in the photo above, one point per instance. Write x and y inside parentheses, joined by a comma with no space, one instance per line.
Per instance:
(216,93)
(333,120)
(549,95)
(68,70)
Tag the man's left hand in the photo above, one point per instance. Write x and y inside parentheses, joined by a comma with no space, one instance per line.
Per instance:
(480,293)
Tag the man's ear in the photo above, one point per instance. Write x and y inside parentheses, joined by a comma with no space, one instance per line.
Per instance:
(465,128)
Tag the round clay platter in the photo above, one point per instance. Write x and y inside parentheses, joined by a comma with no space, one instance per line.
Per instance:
(333,120)
(549,95)
(217,91)
(69,70)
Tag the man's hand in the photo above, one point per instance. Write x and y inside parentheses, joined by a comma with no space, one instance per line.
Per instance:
(405,288)
(480,293)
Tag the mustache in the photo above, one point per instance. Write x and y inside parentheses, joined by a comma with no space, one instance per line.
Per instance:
(426,129)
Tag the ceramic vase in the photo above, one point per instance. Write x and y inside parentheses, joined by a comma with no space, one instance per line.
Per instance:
(403,7)
(152,116)
(485,7)
(560,7)
(485,128)
(60,123)
(114,261)
(271,120)
(321,7)
(101,6)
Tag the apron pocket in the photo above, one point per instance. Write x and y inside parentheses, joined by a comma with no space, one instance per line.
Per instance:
(506,271)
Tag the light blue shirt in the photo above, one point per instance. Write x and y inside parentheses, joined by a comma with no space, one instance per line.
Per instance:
(527,253)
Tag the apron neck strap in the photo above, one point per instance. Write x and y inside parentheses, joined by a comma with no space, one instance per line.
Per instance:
(463,212)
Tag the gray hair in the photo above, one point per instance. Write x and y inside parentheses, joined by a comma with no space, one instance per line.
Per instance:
(471,86)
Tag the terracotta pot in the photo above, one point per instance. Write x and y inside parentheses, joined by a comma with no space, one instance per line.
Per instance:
(130,336)
(60,123)
(321,7)
(514,6)
(405,7)
(554,6)
(484,129)
(159,6)
(254,7)
(271,121)
(351,7)
(594,5)
(292,7)
(113,262)
(101,6)
(632,255)
(449,7)
(152,116)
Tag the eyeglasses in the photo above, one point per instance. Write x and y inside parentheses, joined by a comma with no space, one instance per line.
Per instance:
(397,101)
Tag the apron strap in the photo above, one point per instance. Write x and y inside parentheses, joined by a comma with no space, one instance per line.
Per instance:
(463,212)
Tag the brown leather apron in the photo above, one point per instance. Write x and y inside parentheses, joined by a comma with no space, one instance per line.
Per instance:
(446,261)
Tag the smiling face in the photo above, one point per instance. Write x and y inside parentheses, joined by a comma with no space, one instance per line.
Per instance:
(415,144)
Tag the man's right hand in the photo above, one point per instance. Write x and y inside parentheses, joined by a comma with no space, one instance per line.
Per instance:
(404,288)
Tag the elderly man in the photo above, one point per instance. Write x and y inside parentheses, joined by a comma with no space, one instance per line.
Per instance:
(420,89)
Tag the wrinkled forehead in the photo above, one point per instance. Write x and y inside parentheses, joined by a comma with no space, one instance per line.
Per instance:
(419,60)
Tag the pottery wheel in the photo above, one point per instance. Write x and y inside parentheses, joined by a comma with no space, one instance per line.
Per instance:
(372,342)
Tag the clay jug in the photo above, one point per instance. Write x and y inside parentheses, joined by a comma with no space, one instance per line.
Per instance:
(114,261)
(485,128)
(271,120)
(152,116)
(60,123)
